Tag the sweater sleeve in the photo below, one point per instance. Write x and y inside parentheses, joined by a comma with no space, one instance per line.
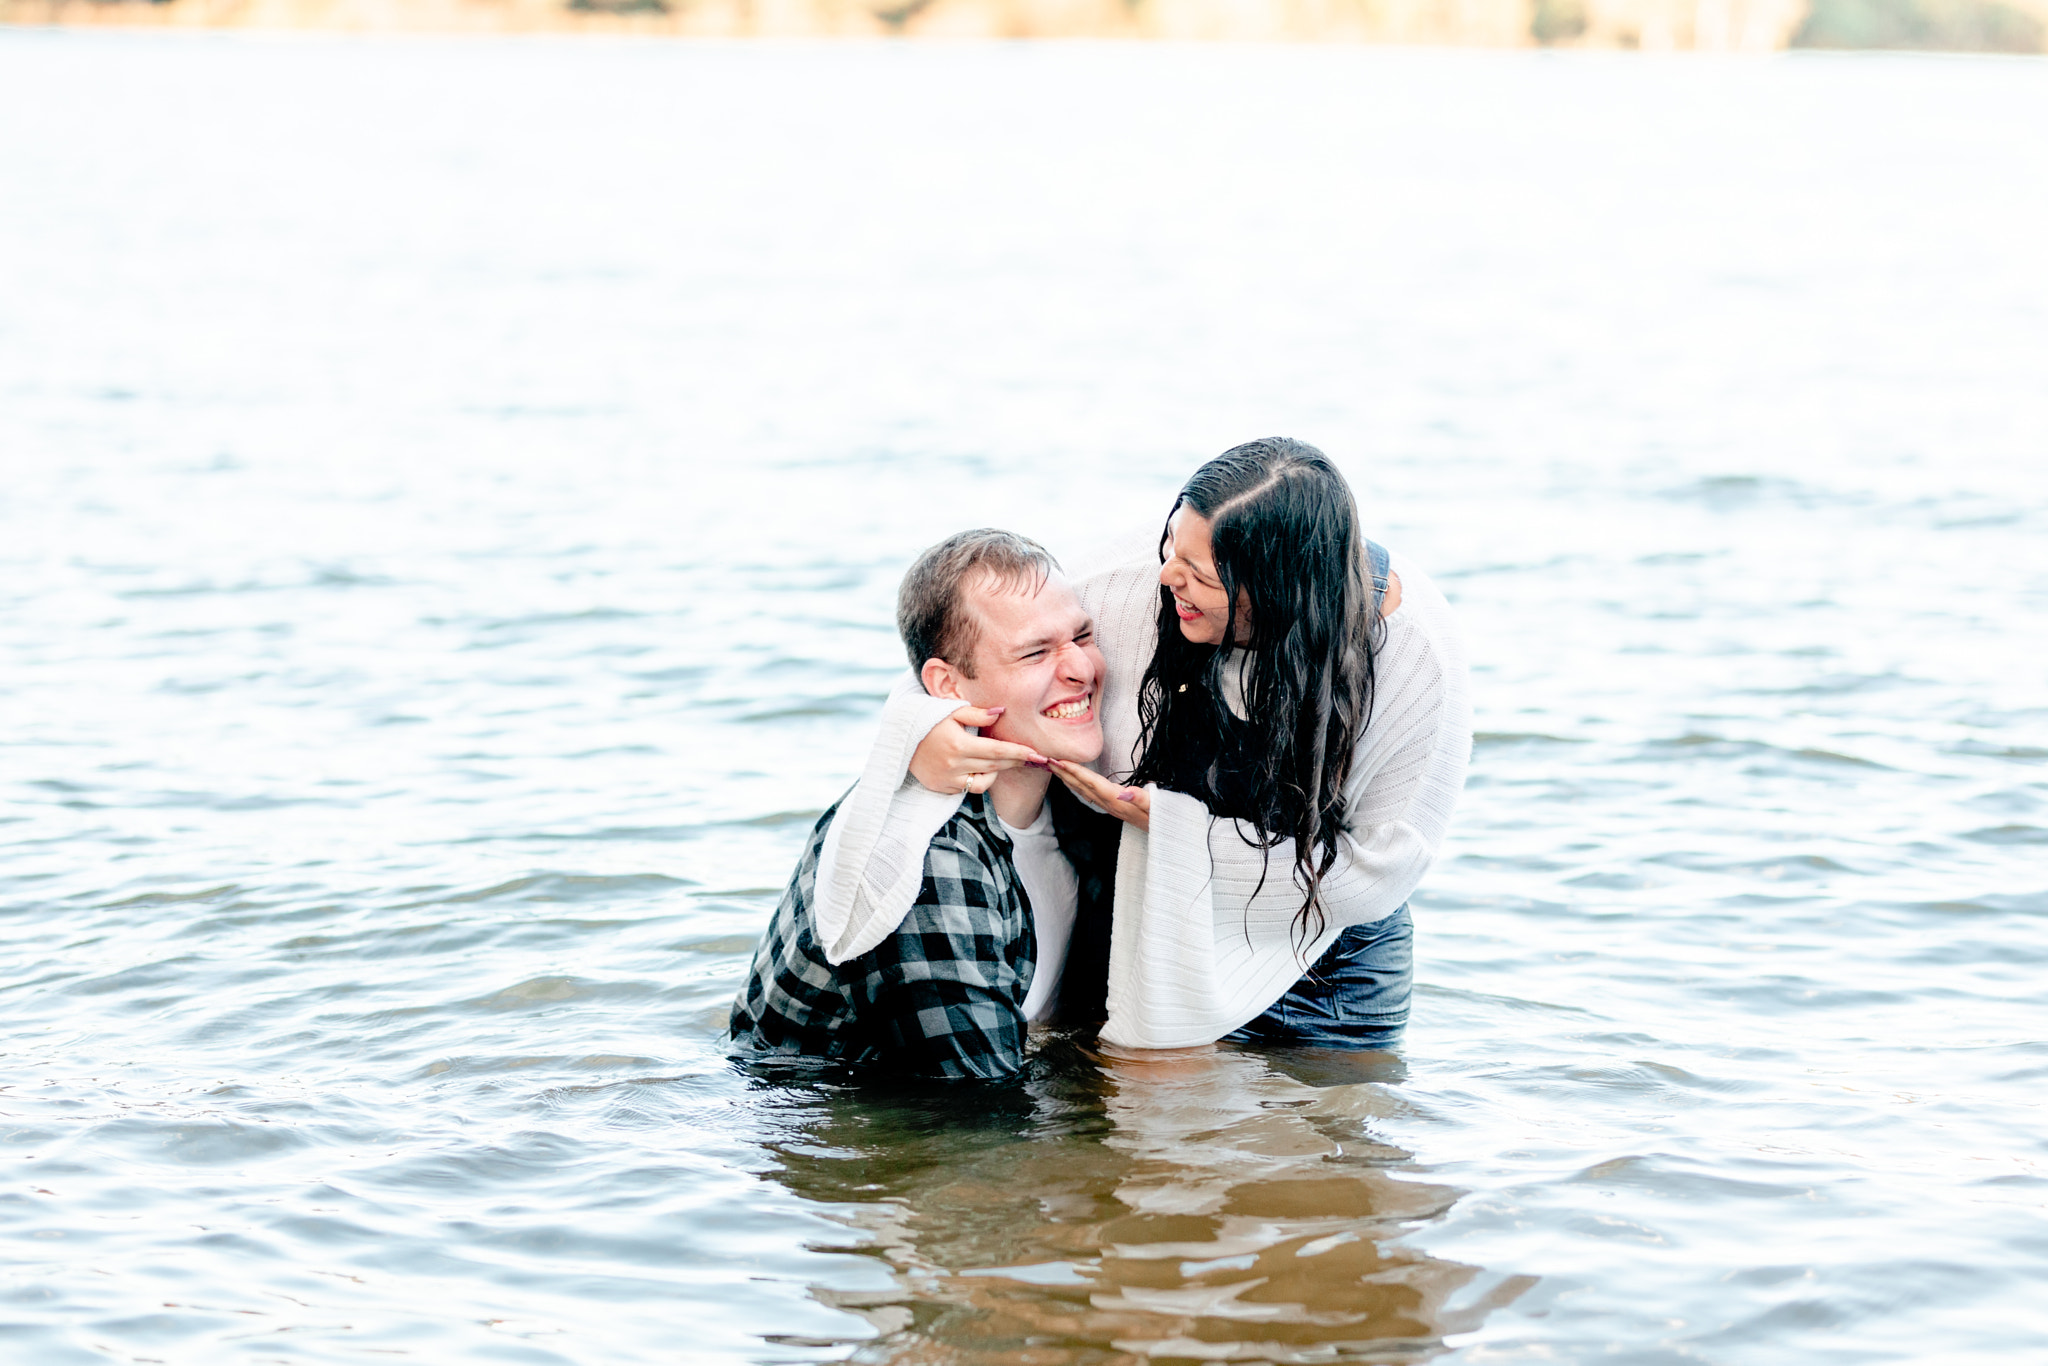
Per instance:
(1204,936)
(872,862)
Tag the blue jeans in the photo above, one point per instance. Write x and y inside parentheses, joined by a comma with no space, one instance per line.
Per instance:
(1356,996)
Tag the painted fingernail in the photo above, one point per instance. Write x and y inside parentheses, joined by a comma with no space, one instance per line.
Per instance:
(995,711)
(1038,763)
(1129,794)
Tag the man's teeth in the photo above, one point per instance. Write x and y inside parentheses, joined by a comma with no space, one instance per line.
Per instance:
(1067,711)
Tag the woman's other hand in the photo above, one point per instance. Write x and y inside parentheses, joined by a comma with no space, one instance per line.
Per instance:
(1132,805)
(951,758)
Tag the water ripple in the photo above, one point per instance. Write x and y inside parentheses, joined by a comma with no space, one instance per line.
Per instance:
(451,544)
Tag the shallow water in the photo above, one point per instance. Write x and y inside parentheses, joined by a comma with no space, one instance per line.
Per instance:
(454,497)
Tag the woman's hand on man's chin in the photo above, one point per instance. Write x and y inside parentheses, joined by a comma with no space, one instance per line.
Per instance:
(952,758)
(1131,805)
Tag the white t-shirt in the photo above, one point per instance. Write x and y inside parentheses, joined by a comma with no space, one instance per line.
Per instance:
(1055,896)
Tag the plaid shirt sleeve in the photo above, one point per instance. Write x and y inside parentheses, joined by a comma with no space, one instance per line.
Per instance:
(944,994)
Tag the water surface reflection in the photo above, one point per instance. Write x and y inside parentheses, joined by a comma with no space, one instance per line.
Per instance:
(1213,1205)
(455,499)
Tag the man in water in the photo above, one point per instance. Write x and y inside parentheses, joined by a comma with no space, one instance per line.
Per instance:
(948,992)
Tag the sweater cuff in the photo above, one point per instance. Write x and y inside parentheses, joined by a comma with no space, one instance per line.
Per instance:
(850,909)
(1162,987)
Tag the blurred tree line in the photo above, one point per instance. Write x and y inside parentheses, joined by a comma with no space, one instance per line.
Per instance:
(1929,25)
(2009,26)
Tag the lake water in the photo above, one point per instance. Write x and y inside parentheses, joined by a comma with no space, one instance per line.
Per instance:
(454,494)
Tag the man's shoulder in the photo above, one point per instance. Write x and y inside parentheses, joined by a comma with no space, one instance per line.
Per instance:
(967,845)
(814,842)
(972,826)
(971,910)
(971,884)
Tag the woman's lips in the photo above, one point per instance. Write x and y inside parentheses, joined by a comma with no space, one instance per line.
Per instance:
(1186,612)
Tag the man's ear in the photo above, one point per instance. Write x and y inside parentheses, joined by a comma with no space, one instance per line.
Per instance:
(940,679)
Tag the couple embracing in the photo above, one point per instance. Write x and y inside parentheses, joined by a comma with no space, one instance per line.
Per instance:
(1181,800)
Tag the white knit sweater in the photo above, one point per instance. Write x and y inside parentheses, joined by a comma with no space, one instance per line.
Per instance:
(1198,947)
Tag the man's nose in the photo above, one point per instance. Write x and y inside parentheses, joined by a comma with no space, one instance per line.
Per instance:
(1074,664)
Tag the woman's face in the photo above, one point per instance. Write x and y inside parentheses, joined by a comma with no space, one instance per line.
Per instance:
(1198,596)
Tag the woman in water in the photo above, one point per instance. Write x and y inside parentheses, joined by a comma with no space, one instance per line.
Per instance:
(1286,729)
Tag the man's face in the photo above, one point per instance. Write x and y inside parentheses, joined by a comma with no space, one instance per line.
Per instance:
(1037,658)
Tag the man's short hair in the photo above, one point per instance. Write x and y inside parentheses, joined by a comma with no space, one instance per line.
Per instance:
(930,615)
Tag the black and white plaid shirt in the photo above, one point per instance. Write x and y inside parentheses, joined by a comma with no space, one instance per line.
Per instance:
(941,998)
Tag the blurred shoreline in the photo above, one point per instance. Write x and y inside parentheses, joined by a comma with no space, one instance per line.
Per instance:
(2012,26)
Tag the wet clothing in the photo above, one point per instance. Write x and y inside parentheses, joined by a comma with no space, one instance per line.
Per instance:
(1356,996)
(942,996)
(1204,940)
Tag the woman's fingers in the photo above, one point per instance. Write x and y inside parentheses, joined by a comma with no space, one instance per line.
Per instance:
(952,758)
(1085,781)
(935,761)
(982,753)
(1065,775)
(975,766)
(1135,808)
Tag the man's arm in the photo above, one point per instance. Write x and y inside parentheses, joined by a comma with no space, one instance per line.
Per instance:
(941,998)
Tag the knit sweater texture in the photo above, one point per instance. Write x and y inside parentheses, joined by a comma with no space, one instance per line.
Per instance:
(1198,946)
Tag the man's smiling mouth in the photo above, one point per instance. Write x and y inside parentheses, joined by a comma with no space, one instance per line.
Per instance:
(1071,710)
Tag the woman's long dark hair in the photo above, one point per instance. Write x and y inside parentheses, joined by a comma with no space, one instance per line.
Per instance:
(1284,530)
